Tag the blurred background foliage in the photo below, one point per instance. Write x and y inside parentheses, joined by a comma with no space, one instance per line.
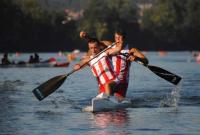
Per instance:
(33,25)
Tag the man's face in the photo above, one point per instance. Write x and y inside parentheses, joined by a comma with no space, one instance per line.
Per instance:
(118,38)
(93,48)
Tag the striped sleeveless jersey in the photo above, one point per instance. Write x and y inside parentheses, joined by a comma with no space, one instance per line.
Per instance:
(121,65)
(102,69)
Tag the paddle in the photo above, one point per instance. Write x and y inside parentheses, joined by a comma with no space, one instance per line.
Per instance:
(168,76)
(54,83)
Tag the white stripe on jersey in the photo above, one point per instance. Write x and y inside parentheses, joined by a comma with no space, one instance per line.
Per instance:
(100,68)
(95,60)
(123,64)
(108,74)
(99,74)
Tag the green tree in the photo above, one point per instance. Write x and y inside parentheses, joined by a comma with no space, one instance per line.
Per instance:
(10,23)
(192,21)
(25,26)
(174,21)
(165,19)
(102,17)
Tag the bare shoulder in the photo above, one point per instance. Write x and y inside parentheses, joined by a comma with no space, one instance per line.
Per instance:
(133,50)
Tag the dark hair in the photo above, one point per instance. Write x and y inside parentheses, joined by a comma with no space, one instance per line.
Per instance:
(120,32)
(93,40)
(5,55)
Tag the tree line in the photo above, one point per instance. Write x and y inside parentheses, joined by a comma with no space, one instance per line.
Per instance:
(167,25)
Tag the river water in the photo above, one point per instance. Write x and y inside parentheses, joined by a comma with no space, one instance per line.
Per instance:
(158,106)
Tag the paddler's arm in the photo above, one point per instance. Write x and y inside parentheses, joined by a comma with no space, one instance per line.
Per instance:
(136,55)
(106,43)
(118,47)
(103,44)
(81,64)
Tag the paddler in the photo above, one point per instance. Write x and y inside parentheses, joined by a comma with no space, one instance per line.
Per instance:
(120,61)
(101,67)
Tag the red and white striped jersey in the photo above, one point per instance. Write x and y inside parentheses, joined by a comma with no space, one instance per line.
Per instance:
(121,65)
(102,69)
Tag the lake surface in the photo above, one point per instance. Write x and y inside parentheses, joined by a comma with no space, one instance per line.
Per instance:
(159,108)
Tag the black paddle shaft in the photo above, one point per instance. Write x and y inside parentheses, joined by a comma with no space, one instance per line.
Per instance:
(168,76)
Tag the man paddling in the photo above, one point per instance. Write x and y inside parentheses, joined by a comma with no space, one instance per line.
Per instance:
(101,67)
(120,60)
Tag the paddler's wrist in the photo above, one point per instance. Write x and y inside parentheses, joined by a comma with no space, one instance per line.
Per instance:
(77,67)
(107,52)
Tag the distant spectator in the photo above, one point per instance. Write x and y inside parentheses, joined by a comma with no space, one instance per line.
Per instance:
(5,60)
(36,58)
(31,59)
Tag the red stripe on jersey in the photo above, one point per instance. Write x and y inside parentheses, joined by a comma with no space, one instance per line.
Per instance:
(103,72)
(121,68)
(126,75)
(118,64)
(95,72)
(108,63)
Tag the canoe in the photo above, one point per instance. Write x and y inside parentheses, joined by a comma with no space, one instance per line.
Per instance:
(99,104)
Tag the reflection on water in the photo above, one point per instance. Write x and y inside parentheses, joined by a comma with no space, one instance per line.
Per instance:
(111,119)
(117,118)
(10,85)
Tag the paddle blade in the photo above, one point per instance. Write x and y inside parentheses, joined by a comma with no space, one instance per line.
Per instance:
(49,87)
(170,77)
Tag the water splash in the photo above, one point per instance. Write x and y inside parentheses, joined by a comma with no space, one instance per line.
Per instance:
(172,99)
(10,85)
(59,101)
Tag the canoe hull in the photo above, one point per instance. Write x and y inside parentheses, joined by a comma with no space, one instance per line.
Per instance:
(104,104)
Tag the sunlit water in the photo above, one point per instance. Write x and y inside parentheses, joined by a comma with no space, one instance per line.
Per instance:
(158,107)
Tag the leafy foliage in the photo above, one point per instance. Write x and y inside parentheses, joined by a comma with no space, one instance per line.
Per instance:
(173,21)
(103,17)
(27,26)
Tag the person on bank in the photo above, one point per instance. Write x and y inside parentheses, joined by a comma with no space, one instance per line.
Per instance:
(31,59)
(5,60)
(36,58)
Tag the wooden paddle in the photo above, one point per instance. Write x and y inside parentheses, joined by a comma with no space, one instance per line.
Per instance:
(54,83)
(168,76)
